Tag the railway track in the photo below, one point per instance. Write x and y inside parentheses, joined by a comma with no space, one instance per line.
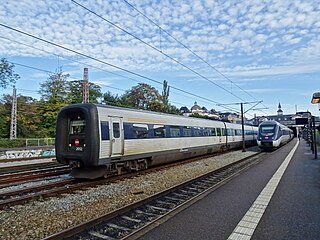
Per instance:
(9,179)
(133,221)
(54,189)
(26,167)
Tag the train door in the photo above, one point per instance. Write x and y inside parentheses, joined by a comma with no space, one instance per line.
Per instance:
(116,136)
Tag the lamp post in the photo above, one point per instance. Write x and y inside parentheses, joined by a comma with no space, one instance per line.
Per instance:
(315,100)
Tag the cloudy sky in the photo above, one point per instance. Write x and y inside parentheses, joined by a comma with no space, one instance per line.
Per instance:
(212,52)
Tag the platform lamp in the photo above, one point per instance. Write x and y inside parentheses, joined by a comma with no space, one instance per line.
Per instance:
(315,100)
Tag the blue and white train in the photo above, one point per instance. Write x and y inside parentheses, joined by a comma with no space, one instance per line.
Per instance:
(272,135)
(101,140)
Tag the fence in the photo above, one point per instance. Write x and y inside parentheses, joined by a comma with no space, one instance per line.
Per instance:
(28,142)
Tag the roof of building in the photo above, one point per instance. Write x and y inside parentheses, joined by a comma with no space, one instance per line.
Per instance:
(184,109)
(195,107)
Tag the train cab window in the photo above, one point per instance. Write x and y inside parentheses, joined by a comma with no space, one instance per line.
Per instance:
(267,128)
(77,127)
(116,130)
(159,131)
(187,132)
(174,131)
(104,131)
(140,130)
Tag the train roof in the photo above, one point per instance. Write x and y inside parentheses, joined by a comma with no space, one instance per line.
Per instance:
(151,112)
(272,122)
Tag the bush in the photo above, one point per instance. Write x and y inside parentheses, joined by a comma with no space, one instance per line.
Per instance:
(8,143)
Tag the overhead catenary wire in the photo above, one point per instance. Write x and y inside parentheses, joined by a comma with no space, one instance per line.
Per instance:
(190,50)
(109,64)
(156,49)
(82,63)
(186,47)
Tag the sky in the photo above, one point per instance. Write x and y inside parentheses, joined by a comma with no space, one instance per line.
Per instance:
(215,53)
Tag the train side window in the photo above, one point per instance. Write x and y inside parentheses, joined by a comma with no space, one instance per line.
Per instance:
(224,132)
(128,134)
(116,130)
(104,131)
(218,131)
(228,132)
(159,131)
(213,132)
(197,132)
(174,131)
(238,132)
(206,132)
(187,132)
(140,130)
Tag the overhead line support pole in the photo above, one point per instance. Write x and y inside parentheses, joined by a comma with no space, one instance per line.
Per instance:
(242,125)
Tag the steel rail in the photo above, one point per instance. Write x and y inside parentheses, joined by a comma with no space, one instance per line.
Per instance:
(218,178)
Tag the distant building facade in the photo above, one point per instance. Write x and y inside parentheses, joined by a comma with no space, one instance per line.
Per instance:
(285,119)
(202,111)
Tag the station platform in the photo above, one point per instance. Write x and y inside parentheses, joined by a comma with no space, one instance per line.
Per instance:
(293,211)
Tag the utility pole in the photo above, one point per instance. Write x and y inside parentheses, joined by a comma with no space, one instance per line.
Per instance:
(242,118)
(242,125)
(13,126)
(85,91)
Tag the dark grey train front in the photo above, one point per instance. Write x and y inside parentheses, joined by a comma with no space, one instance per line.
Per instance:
(272,134)
(100,140)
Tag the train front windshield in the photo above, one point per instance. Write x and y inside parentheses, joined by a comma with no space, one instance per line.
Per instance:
(77,128)
(267,129)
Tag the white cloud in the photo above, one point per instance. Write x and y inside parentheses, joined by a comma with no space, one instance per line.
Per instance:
(249,38)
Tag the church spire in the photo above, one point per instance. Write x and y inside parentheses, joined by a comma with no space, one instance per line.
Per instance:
(280,112)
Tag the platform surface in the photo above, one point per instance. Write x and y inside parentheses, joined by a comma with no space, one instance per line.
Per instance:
(292,213)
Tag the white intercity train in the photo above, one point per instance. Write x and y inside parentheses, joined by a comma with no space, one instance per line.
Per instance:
(101,140)
(272,135)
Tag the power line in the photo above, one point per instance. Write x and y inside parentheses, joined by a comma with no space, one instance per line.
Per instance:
(106,63)
(156,49)
(186,47)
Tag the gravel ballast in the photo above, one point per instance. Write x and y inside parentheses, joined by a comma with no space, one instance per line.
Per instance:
(39,219)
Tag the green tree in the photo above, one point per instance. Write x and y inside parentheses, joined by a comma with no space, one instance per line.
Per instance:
(76,92)
(5,112)
(173,109)
(165,96)
(54,96)
(143,96)
(55,89)
(114,100)
(27,117)
(7,74)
